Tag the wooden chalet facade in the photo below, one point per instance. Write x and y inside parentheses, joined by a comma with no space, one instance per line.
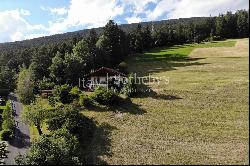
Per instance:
(103,76)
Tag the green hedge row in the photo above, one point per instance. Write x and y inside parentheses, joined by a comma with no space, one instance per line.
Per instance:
(8,123)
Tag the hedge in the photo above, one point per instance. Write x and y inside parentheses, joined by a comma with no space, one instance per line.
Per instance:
(8,123)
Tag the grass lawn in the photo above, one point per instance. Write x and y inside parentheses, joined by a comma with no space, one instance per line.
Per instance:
(166,58)
(2,107)
(34,132)
(200,117)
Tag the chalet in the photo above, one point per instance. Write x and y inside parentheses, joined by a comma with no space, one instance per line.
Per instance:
(103,77)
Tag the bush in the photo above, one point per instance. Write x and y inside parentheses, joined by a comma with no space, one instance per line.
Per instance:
(129,88)
(104,96)
(8,119)
(58,148)
(123,67)
(208,39)
(45,84)
(6,135)
(84,100)
(66,94)
(197,39)
(217,38)
(62,93)
(73,120)
(52,101)
(7,123)
(75,92)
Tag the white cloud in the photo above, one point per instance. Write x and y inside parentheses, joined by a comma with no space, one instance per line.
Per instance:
(89,13)
(133,19)
(139,6)
(57,11)
(195,8)
(14,27)
(36,35)
(24,12)
(96,13)
(161,8)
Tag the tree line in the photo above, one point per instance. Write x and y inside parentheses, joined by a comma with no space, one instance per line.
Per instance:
(68,60)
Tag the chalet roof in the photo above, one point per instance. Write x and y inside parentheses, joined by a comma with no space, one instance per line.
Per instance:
(103,71)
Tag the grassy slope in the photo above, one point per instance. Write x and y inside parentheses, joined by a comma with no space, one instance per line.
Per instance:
(200,117)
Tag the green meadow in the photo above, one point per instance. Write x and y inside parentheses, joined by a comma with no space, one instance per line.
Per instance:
(199,117)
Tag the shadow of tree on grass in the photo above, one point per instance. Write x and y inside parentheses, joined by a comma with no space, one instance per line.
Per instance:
(149,63)
(123,105)
(145,91)
(126,105)
(99,145)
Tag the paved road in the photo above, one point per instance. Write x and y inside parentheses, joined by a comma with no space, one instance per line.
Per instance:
(21,141)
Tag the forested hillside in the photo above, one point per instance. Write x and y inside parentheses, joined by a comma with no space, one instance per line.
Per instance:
(64,58)
(60,38)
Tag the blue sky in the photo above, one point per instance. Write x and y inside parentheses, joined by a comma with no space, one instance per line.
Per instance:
(26,19)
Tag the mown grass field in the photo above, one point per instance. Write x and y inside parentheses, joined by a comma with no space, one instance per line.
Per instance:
(200,117)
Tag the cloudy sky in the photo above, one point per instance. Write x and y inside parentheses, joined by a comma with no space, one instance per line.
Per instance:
(26,19)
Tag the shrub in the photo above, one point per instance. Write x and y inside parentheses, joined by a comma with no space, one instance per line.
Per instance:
(8,119)
(7,123)
(208,39)
(75,103)
(6,112)
(217,38)
(58,148)
(66,94)
(6,135)
(75,92)
(73,120)
(45,84)
(123,67)
(52,101)
(104,96)
(197,39)
(77,124)
(84,100)
(129,88)
(62,93)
